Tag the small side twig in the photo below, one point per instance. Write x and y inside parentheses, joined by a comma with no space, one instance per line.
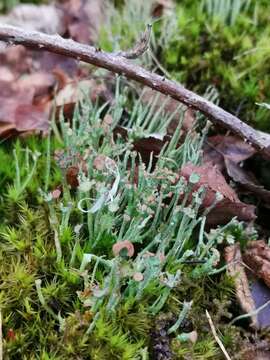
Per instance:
(214,332)
(251,314)
(140,47)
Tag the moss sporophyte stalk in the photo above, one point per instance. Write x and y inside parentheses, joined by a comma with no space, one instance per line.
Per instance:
(91,258)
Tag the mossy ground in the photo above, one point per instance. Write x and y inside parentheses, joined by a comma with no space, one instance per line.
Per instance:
(57,302)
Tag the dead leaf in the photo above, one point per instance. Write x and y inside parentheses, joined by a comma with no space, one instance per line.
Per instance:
(75,91)
(6,75)
(240,176)
(31,118)
(40,82)
(227,152)
(218,147)
(72,173)
(44,18)
(29,78)
(162,7)
(83,19)
(214,182)
(235,269)
(18,112)
(257,257)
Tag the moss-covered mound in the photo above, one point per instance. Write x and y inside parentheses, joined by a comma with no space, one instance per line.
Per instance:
(226,44)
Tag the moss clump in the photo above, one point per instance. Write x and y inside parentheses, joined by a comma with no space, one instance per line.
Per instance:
(207,48)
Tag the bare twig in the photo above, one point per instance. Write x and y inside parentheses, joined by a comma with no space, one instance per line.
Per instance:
(140,47)
(219,342)
(120,65)
(233,258)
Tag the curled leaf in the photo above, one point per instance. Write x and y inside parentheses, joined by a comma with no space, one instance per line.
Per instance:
(257,257)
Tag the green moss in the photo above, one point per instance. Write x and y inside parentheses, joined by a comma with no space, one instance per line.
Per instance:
(206,50)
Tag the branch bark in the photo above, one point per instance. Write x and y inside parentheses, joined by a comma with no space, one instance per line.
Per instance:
(120,65)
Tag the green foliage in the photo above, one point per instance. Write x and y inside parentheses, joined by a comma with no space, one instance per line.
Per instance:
(225,44)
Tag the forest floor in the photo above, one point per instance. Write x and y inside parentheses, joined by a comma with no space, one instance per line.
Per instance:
(132,226)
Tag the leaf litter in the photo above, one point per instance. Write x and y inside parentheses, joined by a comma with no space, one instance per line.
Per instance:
(31,79)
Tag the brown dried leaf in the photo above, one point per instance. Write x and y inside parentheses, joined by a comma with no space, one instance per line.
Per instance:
(232,147)
(226,152)
(213,181)
(18,108)
(41,82)
(75,91)
(257,257)
(72,173)
(235,269)
(84,19)
(258,351)
(161,7)
(247,180)
(225,210)
(6,75)
(44,18)
(27,82)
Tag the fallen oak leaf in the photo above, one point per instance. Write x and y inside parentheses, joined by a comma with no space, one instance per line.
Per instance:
(18,112)
(219,147)
(211,179)
(75,91)
(161,7)
(249,182)
(227,152)
(41,82)
(257,257)
(6,75)
(83,19)
(225,210)
(233,258)
(30,118)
